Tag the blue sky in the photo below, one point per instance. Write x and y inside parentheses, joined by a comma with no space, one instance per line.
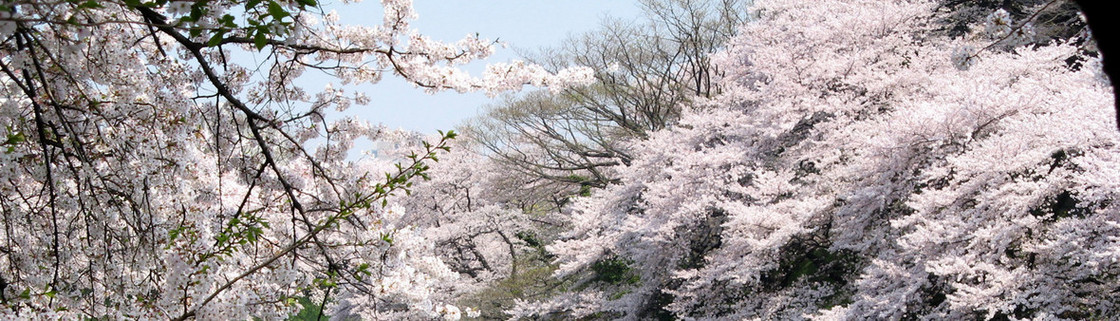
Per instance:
(522,24)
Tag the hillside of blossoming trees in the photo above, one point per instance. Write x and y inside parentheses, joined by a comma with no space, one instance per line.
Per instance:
(762,160)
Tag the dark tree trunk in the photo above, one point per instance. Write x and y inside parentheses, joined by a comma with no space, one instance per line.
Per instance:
(1101,23)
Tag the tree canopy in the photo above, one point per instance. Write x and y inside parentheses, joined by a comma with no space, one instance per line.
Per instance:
(864,161)
(150,173)
(778,159)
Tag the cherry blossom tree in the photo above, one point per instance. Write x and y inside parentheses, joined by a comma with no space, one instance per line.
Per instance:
(485,227)
(151,172)
(864,163)
(646,72)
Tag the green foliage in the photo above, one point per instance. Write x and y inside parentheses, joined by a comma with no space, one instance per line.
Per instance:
(361,272)
(584,190)
(817,265)
(1059,206)
(260,21)
(533,281)
(14,138)
(614,271)
(530,239)
(811,262)
(310,311)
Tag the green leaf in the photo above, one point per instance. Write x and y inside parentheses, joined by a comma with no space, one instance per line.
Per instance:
(228,21)
(253,234)
(276,11)
(197,10)
(216,38)
(260,40)
(15,138)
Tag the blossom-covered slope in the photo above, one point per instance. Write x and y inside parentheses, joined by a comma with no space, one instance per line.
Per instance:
(865,163)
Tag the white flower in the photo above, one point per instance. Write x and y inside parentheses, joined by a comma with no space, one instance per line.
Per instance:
(964,57)
(998,24)
(1024,35)
(179,7)
(451,313)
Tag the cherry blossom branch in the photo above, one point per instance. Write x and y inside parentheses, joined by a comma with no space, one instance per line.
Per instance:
(381,191)
(1013,31)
